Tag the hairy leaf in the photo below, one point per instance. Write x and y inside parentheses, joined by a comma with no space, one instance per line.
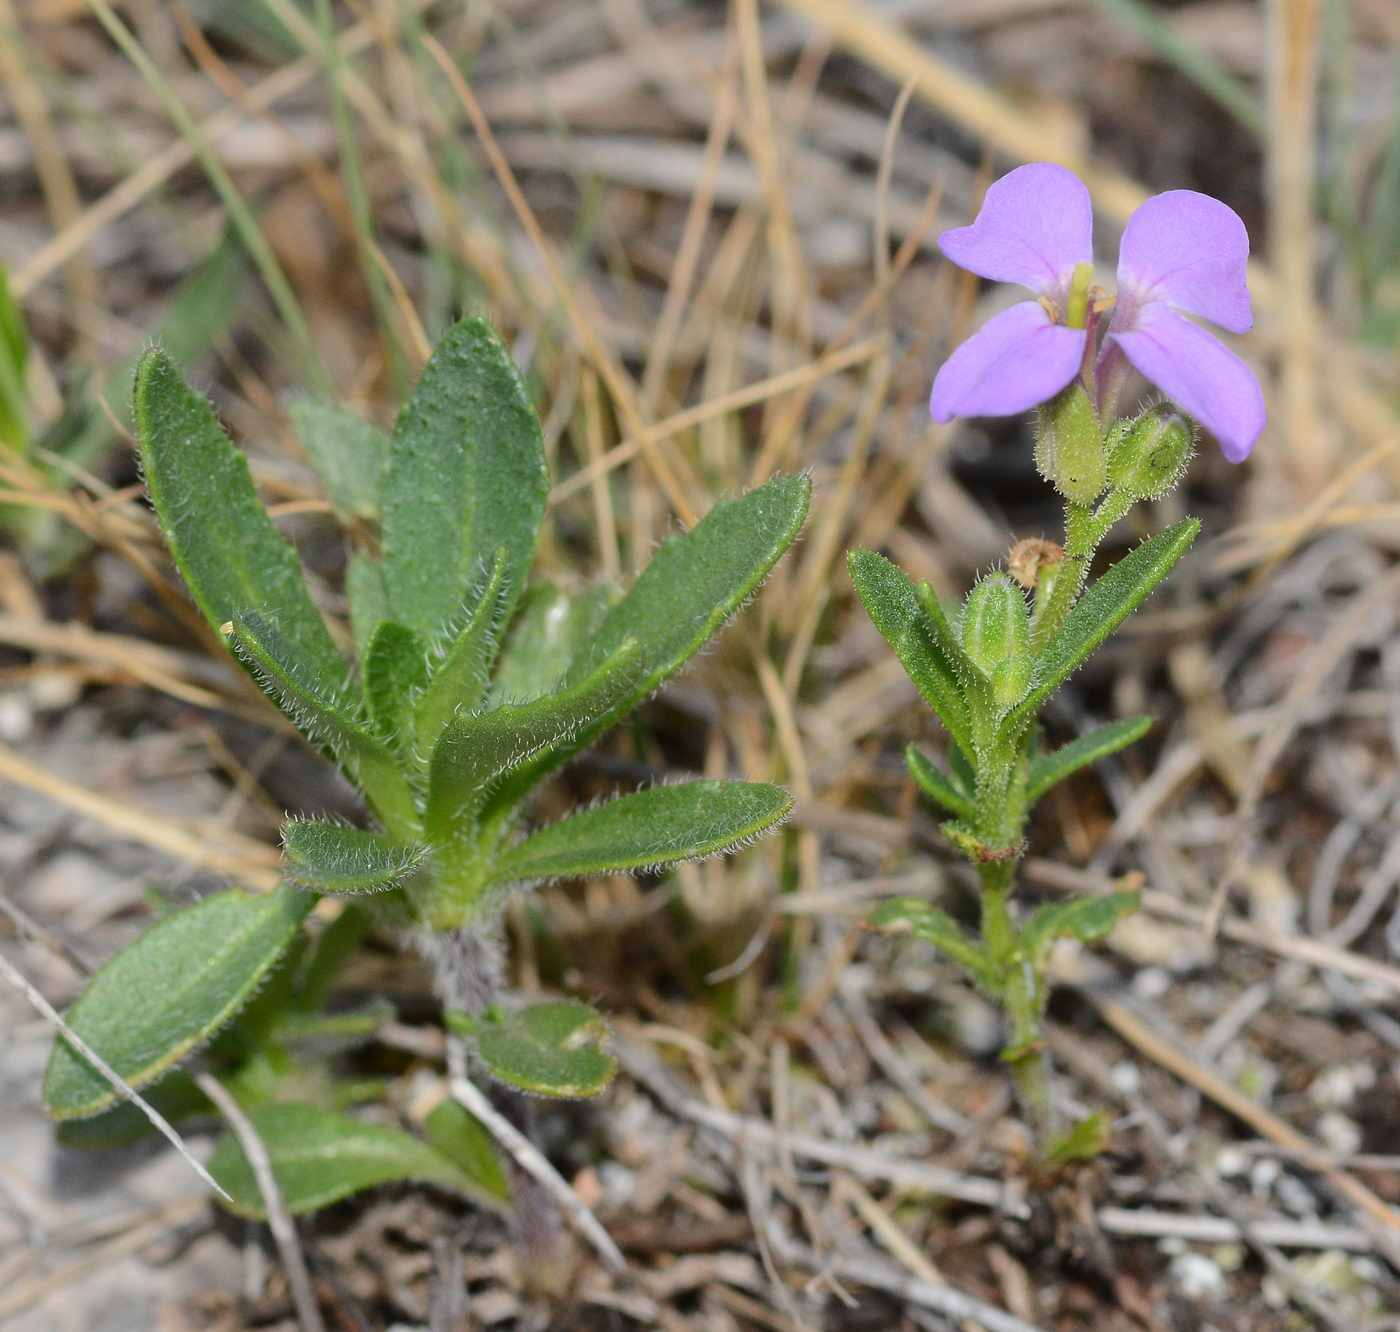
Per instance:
(330,858)
(466,475)
(925,921)
(175,1097)
(395,674)
(1085,918)
(939,788)
(320,1156)
(652,828)
(347,452)
(1050,769)
(223,542)
(548,1049)
(461,1137)
(369,602)
(551,630)
(169,991)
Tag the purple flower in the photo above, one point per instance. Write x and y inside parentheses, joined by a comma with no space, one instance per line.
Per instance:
(1181,251)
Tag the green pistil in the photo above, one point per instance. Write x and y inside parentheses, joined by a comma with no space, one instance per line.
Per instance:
(1078,312)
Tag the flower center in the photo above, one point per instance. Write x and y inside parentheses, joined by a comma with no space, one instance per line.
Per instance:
(1077,309)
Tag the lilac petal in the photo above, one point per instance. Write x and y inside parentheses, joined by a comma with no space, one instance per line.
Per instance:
(1016,360)
(1190,251)
(1200,374)
(1036,223)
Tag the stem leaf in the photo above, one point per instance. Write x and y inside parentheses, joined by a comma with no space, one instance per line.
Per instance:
(1049,770)
(912,915)
(331,858)
(548,1049)
(1085,918)
(938,787)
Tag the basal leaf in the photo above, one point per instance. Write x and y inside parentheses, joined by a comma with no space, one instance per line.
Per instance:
(466,475)
(461,1137)
(925,921)
(320,1156)
(331,720)
(1050,769)
(330,858)
(893,604)
(394,676)
(476,750)
(175,1097)
(330,951)
(939,788)
(169,991)
(551,630)
(222,540)
(652,828)
(549,1049)
(1100,611)
(369,602)
(1086,918)
(347,452)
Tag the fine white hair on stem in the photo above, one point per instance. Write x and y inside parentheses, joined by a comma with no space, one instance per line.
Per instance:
(158,1121)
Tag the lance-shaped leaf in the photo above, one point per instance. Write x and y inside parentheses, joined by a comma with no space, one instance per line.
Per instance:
(1049,770)
(320,1156)
(459,680)
(549,1050)
(1086,918)
(461,1137)
(347,452)
(939,788)
(330,858)
(466,475)
(369,602)
(894,607)
(222,540)
(330,720)
(661,826)
(476,749)
(912,915)
(394,676)
(551,630)
(175,1097)
(169,991)
(1100,611)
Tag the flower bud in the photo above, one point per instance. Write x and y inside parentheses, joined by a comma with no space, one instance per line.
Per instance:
(1034,562)
(995,633)
(1150,455)
(1069,450)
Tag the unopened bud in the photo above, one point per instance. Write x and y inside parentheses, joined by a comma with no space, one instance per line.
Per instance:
(1069,450)
(1033,560)
(1150,455)
(996,632)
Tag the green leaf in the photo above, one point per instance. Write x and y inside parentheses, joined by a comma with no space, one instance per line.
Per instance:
(548,1049)
(550,631)
(894,607)
(912,915)
(330,858)
(466,475)
(652,828)
(14,357)
(335,945)
(1050,769)
(222,540)
(347,452)
(476,749)
(369,601)
(1088,1139)
(1086,918)
(175,1097)
(937,787)
(461,1137)
(1100,611)
(320,1156)
(460,679)
(169,991)
(395,674)
(329,719)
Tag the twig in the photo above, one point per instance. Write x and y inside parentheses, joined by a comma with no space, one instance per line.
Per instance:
(1287,1234)
(279,1219)
(532,1160)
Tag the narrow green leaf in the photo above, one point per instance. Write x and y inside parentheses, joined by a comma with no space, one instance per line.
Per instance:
(1089,1138)
(335,945)
(222,540)
(549,1049)
(936,786)
(461,1137)
(320,1156)
(175,1097)
(394,676)
(347,452)
(1050,769)
(551,630)
(475,750)
(912,915)
(894,607)
(330,858)
(466,475)
(369,601)
(1100,611)
(460,678)
(169,991)
(331,720)
(1086,918)
(652,828)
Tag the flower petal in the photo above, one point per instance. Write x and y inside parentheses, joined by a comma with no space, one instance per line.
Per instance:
(1200,374)
(1189,250)
(1036,223)
(1015,360)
